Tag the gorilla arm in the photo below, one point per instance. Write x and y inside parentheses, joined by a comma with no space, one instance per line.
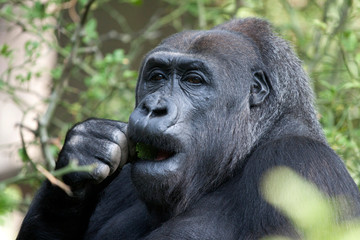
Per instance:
(53,213)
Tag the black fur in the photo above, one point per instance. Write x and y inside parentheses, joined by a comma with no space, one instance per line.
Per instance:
(223,107)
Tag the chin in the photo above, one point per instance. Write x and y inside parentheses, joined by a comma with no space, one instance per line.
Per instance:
(158,182)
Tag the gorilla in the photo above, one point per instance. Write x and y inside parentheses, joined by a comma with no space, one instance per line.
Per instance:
(215,110)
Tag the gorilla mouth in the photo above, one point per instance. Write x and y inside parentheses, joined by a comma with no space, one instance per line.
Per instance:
(152,153)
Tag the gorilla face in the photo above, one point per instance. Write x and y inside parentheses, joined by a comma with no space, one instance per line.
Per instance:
(194,95)
(174,93)
(174,90)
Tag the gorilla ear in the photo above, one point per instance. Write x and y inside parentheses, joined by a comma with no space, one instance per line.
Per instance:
(259,88)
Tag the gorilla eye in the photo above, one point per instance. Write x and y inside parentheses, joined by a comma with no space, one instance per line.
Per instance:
(157,77)
(194,79)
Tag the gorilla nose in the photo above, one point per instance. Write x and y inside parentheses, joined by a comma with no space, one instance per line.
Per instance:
(155,107)
(154,115)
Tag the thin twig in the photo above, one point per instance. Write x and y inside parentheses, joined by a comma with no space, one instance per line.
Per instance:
(23,144)
(72,167)
(54,180)
(58,91)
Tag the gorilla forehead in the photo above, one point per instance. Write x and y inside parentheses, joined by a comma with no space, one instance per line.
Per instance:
(219,44)
(168,58)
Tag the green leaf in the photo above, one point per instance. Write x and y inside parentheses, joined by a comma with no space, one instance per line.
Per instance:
(83,2)
(10,197)
(23,155)
(357,59)
(38,74)
(351,85)
(54,150)
(46,27)
(28,76)
(145,151)
(109,59)
(119,55)
(135,2)
(39,10)
(90,31)
(7,9)
(130,74)
(5,50)
(30,47)
(96,93)
(56,72)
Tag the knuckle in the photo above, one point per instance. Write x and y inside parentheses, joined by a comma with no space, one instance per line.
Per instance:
(86,125)
(92,122)
(122,126)
(75,140)
(115,153)
(118,136)
(79,127)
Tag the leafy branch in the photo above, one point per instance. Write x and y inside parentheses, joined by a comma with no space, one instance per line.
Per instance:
(52,176)
(58,91)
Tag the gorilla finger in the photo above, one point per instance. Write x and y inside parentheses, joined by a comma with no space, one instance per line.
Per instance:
(101,128)
(101,172)
(119,155)
(124,147)
(89,150)
(115,154)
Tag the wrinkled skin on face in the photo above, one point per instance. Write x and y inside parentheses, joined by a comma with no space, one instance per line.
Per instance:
(182,88)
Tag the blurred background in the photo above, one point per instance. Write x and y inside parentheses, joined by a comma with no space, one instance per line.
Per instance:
(65,61)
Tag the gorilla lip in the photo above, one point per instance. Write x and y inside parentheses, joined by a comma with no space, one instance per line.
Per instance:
(162,155)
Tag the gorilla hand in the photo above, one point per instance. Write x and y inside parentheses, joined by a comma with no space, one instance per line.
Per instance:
(99,142)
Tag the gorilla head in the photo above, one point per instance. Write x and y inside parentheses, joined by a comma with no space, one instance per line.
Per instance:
(205,99)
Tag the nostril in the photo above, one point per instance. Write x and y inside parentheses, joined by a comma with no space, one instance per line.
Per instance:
(159,112)
(144,109)
(154,107)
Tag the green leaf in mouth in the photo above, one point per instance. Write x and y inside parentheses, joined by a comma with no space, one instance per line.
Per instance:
(145,151)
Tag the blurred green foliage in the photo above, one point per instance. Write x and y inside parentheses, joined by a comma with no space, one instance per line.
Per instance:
(10,199)
(314,215)
(88,81)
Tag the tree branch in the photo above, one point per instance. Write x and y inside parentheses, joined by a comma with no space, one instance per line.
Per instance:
(44,121)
